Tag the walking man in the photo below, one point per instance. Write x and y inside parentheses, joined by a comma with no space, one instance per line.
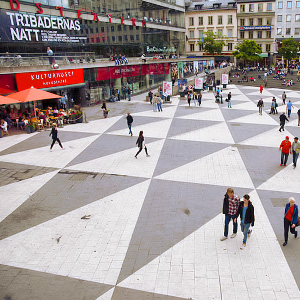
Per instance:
(159,104)
(289,107)
(283,97)
(295,151)
(129,93)
(129,122)
(189,97)
(230,209)
(282,119)
(290,219)
(246,213)
(150,94)
(55,138)
(285,148)
(229,100)
(124,92)
(260,106)
(221,95)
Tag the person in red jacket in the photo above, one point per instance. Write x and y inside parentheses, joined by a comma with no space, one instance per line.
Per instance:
(285,148)
(261,89)
(290,219)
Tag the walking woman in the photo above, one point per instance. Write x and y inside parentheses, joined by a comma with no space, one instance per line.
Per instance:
(141,144)
(189,97)
(54,133)
(199,98)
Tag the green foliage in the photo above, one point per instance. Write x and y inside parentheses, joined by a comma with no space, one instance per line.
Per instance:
(289,48)
(212,42)
(247,50)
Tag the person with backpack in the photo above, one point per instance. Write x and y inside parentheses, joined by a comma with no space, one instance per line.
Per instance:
(290,219)
(260,106)
(140,142)
(129,122)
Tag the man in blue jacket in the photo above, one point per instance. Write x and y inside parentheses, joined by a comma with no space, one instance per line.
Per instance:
(290,219)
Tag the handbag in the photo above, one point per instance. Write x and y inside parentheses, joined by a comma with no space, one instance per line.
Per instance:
(226,99)
(298,222)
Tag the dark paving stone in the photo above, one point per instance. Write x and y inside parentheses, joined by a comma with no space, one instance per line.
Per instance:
(176,153)
(180,126)
(171,211)
(23,284)
(61,195)
(230,114)
(295,131)
(121,293)
(184,111)
(42,139)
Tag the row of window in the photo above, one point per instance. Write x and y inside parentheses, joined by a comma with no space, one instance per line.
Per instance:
(210,20)
(256,34)
(288,31)
(289,4)
(113,39)
(259,22)
(288,18)
(251,8)
(219,32)
(103,29)
(229,45)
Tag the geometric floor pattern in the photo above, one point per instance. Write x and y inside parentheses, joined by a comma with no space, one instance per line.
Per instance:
(93,222)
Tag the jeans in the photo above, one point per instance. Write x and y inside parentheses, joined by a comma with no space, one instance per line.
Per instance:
(129,97)
(229,103)
(129,126)
(154,106)
(288,225)
(124,96)
(289,112)
(227,221)
(284,158)
(245,229)
(221,99)
(159,107)
(295,157)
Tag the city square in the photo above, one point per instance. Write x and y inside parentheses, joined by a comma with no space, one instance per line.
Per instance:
(93,222)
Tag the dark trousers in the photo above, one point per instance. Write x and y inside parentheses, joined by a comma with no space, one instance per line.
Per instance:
(295,158)
(288,225)
(284,158)
(281,126)
(141,148)
(53,142)
(227,221)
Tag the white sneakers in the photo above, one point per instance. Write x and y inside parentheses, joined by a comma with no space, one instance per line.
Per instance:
(223,238)
(233,235)
(243,246)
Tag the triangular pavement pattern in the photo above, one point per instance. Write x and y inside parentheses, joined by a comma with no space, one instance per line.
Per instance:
(15,194)
(292,123)
(183,111)
(218,133)
(211,115)
(271,138)
(56,159)
(168,112)
(109,217)
(292,94)
(244,106)
(156,129)
(227,169)
(285,180)
(124,162)
(107,295)
(265,93)
(230,114)
(97,126)
(255,118)
(40,285)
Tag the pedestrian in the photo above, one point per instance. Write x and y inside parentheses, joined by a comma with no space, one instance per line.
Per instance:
(285,148)
(290,219)
(261,89)
(282,119)
(189,97)
(154,104)
(289,107)
(295,150)
(195,98)
(150,94)
(229,100)
(283,97)
(50,56)
(118,94)
(129,93)
(199,98)
(230,208)
(221,95)
(273,104)
(159,104)
(140,142)
(124,90)
(54,133)
(104,105)
(298,113)
(246,213)
(260,106)
(129,122)
(105,113)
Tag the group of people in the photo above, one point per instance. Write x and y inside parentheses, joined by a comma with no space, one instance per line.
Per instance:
(119,59)
(286,148)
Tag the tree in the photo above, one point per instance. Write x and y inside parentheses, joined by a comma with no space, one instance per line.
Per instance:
(212,42)
(289,49)
(247,50)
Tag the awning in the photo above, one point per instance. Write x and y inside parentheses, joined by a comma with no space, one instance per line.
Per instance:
(263,55)
(63,87)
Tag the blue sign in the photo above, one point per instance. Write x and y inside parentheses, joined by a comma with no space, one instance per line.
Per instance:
(242,28)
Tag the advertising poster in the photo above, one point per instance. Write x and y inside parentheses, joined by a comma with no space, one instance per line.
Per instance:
(199,83)
(180,69)
(182,83)
(225,78)
(167,88)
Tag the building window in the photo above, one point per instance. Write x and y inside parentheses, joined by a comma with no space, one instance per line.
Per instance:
(132,38)
(120,38)
(259,45)
(298,4)
(210,20)
(242,8)
(288,31)
(242,22)
(112,29)
(279,31)
(269,6)
(269,22)
(269,34)
(200,20)
(220,32)
(297,18)
(229,32)
(113,38)
(125,38)
(259,34)
(268,47)
(242,34)
(251,7)
(137,37)
(192,47)
(259,21)
(289,18)
(220,20)
(191,21)
(251,35)
(229,46)
(260,7)
(200,34)
(229,19)
(119,28)
(251,22)
(280,4)
(191,34)
(289,4)
(279,18)
(200,47)
(297,31)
